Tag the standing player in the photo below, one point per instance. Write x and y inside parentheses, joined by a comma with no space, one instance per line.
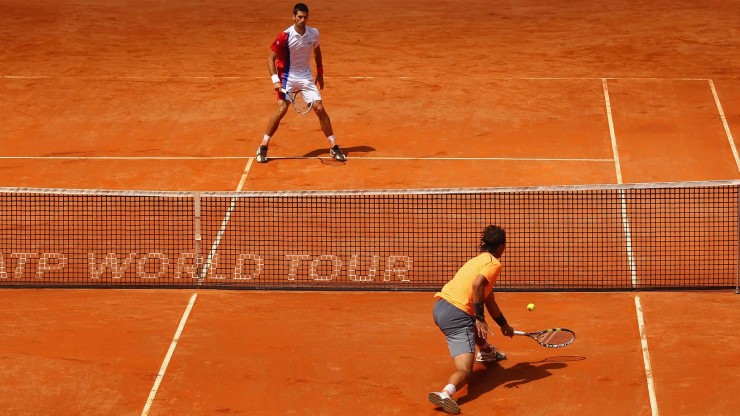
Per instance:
(458,312)
(290,69)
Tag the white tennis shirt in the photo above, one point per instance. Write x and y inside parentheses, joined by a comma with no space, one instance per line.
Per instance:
(294,53)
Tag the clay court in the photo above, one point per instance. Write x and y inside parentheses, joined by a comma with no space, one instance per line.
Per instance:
(161,97)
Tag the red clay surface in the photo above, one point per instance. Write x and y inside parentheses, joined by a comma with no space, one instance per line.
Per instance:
(71,352)
(448,94)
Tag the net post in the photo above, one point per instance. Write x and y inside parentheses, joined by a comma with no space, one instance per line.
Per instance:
(197,231)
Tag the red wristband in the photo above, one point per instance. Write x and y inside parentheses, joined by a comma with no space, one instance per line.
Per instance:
(319,70)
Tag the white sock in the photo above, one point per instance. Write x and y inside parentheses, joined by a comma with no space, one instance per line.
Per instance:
(266,140)
(331,140)
(449,389)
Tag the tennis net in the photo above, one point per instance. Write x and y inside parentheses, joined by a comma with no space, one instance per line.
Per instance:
(607,237)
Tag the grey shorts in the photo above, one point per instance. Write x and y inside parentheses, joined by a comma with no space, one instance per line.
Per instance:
(458,327)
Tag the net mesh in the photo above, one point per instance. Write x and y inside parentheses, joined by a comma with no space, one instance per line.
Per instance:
(616,237)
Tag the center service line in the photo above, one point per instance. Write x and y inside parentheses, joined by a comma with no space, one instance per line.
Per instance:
(168,356)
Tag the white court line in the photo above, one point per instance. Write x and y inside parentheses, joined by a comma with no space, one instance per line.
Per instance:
(127,78)
(240,78)
(168,356)
(725,125)
(728,133)
(524,159)
(623,202)
(125,157)
(612,134)
(545,159)
(225,221)
(244,174)
(646,358)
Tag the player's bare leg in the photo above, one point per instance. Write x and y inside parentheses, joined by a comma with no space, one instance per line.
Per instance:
(325,123)
(272,126)
(324,120)
(463,366)
(463,369)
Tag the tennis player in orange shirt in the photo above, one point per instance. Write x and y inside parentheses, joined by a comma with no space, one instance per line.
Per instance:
(459,314)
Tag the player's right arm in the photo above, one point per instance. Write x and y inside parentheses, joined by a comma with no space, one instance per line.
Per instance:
(497,315)
(479,286)
(279,51)
(273,70)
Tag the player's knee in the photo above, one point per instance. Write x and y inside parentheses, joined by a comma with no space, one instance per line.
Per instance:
(465,372)
(319,108)
(282,108)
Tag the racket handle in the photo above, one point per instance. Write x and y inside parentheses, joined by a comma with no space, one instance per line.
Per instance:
(515,332)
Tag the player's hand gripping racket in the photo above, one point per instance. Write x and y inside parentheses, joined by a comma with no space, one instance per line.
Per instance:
(299,101)
(551,338)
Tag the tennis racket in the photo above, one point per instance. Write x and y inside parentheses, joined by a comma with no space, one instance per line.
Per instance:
(299,101)
(551,338)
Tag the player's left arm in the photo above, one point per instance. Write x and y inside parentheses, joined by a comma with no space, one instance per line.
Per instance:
(319,67)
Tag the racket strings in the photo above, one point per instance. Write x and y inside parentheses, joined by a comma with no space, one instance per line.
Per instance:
(300,103)
(555,337)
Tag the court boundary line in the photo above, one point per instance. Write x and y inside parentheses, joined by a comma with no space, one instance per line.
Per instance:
(731,142)
(168,356)
(513,159)
(260,77)
(646,357)
(726,126)
(225,221)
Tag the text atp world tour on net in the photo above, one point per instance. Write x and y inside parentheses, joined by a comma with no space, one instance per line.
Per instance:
(244,266)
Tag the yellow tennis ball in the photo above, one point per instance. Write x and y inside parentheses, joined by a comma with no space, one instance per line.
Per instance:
(530,307)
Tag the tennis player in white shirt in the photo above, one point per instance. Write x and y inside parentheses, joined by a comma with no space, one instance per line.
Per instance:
(290,69)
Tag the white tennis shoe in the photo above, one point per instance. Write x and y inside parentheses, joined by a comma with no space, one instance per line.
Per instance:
(337,154)
(262,154)
(443,399)
(490,357)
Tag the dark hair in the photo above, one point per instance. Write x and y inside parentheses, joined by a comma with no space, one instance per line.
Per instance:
(493,236)
(300,7)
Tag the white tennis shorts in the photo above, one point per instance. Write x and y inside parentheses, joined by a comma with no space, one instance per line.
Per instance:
(310,91)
